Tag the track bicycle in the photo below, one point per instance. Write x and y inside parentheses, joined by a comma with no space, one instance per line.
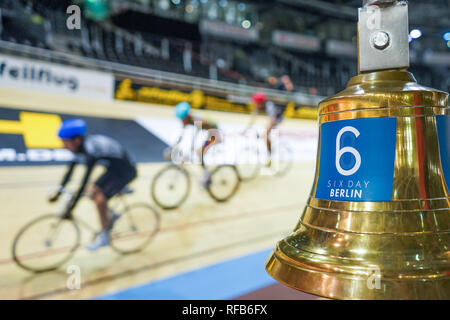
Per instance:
(253,152)
(172,184)
(49,241)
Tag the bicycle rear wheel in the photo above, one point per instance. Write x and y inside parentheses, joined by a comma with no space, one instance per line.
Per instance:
(45,243)
(170,187)
(224,183)
(135,229)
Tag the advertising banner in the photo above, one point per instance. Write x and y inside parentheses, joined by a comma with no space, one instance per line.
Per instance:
(295,41)
(227,31)
(53,78)
(28,138)
(127,89)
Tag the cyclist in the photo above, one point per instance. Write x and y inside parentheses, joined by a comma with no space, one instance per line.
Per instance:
(183,112)
(275,112)
(92,150)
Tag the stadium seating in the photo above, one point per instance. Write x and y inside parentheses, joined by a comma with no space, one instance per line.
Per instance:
(311,73)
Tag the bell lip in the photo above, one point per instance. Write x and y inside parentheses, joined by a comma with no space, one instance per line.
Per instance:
(279,268)
(274,260)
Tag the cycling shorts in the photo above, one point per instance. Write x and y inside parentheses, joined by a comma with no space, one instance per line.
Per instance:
(114,180)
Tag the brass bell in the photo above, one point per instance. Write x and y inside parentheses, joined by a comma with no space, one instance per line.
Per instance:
(377,222)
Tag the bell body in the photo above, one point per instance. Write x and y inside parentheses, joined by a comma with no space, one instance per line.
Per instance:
(377,222)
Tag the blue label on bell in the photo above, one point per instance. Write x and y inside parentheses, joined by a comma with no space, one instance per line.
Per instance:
(443,129)
(357,160)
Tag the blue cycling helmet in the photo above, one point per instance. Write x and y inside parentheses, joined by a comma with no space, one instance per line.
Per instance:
(182,110)
(72,128)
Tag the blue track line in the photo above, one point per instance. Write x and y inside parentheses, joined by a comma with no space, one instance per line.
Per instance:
(225,280)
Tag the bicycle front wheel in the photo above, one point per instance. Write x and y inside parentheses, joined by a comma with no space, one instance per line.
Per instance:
(224,183)
(134,230)
(171,187)
(45,243)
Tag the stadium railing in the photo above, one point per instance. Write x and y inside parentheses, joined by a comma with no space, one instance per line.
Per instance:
(122,71)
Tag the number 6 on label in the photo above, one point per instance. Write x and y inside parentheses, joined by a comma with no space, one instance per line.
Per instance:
(340,152)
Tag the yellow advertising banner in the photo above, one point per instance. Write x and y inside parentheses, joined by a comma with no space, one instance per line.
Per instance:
(127,90)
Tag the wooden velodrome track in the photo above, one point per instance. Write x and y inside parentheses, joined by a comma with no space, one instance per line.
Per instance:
(200,233)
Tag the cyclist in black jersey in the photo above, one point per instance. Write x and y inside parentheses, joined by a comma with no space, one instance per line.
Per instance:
(94,150)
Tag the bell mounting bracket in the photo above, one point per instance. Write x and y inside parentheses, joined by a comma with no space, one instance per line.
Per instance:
(383,41)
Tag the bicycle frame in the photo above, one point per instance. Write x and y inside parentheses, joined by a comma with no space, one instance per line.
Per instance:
(193,157)
(68,197)
(277,143)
